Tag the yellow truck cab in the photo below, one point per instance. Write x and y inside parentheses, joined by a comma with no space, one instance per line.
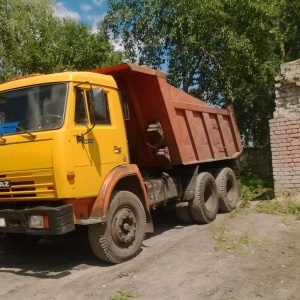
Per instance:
(75,150)
(60,137)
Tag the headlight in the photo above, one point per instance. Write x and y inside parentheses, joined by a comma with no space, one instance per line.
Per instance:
(2,222)
(36,222)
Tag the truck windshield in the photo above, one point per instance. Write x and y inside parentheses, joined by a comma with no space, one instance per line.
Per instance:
(33,108)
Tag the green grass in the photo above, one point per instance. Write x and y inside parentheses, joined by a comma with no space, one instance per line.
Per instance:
(254,187)
(284,206)
(226,241)
(124,295)
(238,211)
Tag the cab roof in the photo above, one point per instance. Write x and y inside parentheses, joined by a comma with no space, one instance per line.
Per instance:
(95,78)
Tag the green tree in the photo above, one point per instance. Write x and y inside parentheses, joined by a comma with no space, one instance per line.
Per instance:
(290,27)
(28,30)
(34,41)
(81,49)
(223,51)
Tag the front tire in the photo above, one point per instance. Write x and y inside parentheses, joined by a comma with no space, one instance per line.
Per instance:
(121,237)
(204,206)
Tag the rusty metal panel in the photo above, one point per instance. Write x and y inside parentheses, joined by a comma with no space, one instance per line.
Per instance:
(193,131)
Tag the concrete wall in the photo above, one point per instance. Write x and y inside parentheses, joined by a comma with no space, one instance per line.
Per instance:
(285,131)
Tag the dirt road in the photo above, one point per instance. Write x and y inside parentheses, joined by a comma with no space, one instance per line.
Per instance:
(247,256)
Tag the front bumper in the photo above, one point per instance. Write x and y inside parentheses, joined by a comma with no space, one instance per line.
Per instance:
(60,220)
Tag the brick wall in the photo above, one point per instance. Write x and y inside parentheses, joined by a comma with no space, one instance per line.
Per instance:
(285,130)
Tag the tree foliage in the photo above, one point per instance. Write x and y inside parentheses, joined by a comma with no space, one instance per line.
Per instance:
(290,27)
(34,41)
(223,51)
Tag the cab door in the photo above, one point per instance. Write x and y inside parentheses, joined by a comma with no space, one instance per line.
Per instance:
(98,141)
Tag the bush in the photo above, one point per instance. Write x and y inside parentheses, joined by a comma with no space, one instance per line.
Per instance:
(253,186)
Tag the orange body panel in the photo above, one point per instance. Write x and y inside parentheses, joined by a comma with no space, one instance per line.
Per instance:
(194,131)
(81,207)
(100,206)
(96,208)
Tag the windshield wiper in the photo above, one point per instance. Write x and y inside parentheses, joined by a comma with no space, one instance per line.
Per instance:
(2,138)
(23,130)
(20,131)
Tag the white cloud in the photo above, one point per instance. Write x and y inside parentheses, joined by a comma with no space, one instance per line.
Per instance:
(94,20)
(98,2)
(85,7)
(62,11)
(118,44)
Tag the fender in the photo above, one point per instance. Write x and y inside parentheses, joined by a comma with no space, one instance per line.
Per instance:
(100,206)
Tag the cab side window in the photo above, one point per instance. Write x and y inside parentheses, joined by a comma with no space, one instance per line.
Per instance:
(80,108)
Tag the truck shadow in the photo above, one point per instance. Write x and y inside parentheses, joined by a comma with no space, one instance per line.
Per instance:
(52,259)
(59,257)
(164,219)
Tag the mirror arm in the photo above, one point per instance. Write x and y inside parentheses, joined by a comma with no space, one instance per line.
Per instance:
(80,138)
(89,129)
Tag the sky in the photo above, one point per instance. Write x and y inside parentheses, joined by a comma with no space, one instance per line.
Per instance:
(89,12)
(86,11)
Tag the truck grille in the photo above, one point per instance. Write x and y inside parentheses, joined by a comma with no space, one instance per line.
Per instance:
(27,185)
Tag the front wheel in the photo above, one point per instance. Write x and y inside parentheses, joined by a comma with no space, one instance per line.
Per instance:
(121,237)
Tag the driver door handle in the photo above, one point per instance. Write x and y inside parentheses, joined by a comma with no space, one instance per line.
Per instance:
(117,149)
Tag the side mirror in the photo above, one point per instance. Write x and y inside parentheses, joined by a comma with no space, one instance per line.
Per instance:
(97,93)
(99,107)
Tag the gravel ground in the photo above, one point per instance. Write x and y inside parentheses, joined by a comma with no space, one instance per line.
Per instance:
(242,256)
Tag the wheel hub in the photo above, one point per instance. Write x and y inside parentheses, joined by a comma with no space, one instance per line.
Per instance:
(124,227)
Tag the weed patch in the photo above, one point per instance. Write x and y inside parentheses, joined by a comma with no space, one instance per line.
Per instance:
(252,186)
(284,206)
(124,295)
(239,210)
(227,242)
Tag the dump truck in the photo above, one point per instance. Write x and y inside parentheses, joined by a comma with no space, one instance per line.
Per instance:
(102,149)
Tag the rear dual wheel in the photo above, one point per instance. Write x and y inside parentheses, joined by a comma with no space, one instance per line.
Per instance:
(204,206)
(183,213)
(121,237)
(227,189)
(211,195)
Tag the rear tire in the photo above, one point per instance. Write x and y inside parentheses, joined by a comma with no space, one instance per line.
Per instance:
(121,237)
(227,189)
(204,207)
(183,213)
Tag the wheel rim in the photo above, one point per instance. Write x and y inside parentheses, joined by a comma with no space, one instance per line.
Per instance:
(209,198)
(124,227)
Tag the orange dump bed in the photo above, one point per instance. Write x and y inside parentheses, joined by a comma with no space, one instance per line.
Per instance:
(169,127)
